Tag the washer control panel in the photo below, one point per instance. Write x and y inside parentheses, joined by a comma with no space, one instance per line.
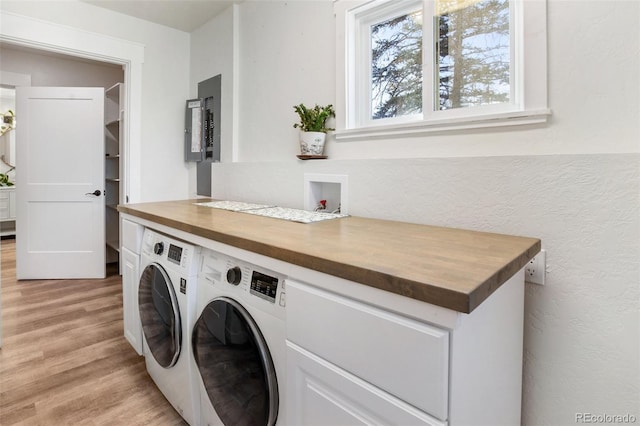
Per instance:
(170,252)
(174,254)
(264,286)
(247,283)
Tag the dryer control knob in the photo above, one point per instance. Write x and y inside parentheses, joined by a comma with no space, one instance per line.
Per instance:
(158,248)
(234,275)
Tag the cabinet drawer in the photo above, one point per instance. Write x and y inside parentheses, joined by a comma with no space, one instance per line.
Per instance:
(404,357)
(132,235)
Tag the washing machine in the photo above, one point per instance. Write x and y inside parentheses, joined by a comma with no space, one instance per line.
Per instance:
(238,343)
(166,302)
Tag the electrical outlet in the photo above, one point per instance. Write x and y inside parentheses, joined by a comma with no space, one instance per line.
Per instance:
(536,270)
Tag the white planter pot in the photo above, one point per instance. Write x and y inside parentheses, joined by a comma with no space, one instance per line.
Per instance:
(312,143)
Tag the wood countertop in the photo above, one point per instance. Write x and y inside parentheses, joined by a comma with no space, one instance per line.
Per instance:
(452,268)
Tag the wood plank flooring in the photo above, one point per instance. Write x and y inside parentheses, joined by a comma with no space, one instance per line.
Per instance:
(64,359)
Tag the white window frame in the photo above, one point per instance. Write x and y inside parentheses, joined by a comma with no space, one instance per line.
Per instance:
(528,45)
(360,69)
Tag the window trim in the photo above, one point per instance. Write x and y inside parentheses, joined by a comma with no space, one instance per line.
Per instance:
(529,58)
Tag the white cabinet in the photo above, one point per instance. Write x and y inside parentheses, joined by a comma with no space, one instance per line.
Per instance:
(350,362)
(7,210)
(320,393)
(402,356)
(131,315)
(130,266)
(114,115)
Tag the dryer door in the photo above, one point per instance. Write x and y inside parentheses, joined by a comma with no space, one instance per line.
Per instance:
(235,364)
(159,315)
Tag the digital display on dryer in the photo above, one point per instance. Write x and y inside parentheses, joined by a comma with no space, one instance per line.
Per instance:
(264,286)
(174,254)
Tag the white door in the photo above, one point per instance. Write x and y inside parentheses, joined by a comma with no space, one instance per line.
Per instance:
(60,183)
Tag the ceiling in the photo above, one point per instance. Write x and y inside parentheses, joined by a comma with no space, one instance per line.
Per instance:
(184,15)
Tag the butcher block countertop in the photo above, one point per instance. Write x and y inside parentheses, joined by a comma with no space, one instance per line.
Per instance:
(452,268)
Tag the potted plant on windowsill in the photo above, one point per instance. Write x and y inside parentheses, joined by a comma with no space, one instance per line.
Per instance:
(313,128)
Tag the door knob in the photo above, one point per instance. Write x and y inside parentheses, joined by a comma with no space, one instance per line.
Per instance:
(96,193)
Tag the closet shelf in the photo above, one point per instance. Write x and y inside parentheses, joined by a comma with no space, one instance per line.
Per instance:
(114,127)
(113,93)
(114,245)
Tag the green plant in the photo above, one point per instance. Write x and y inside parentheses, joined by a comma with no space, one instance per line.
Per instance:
(4,178)
(314,119)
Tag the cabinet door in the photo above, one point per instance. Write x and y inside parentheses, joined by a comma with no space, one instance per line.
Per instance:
(130,278)
(320,393)
(406,358)
(132,235)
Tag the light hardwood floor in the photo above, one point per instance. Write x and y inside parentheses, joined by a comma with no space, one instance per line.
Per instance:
(64,359)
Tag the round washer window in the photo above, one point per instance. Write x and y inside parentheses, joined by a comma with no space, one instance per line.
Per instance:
(160,315)
(235,365)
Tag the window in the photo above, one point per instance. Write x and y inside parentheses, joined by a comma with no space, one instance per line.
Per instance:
(414,66)
(472,54)
(395,82)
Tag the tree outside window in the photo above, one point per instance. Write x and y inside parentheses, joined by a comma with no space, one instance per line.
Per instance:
(473,54)
(396,66)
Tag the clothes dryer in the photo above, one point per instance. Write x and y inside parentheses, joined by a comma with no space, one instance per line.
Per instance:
(166,301)
(238,343)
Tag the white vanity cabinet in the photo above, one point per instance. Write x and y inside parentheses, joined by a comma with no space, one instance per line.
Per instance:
(131,245)
(350,362)
(7,210)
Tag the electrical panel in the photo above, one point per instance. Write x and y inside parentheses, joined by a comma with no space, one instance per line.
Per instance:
(202,131)
(202,122)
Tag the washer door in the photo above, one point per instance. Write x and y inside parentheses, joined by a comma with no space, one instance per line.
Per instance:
(235,365)
(160,315)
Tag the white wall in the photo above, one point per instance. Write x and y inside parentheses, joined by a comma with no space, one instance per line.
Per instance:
(574,183)
(46,69)
(165,77)
(286,57)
